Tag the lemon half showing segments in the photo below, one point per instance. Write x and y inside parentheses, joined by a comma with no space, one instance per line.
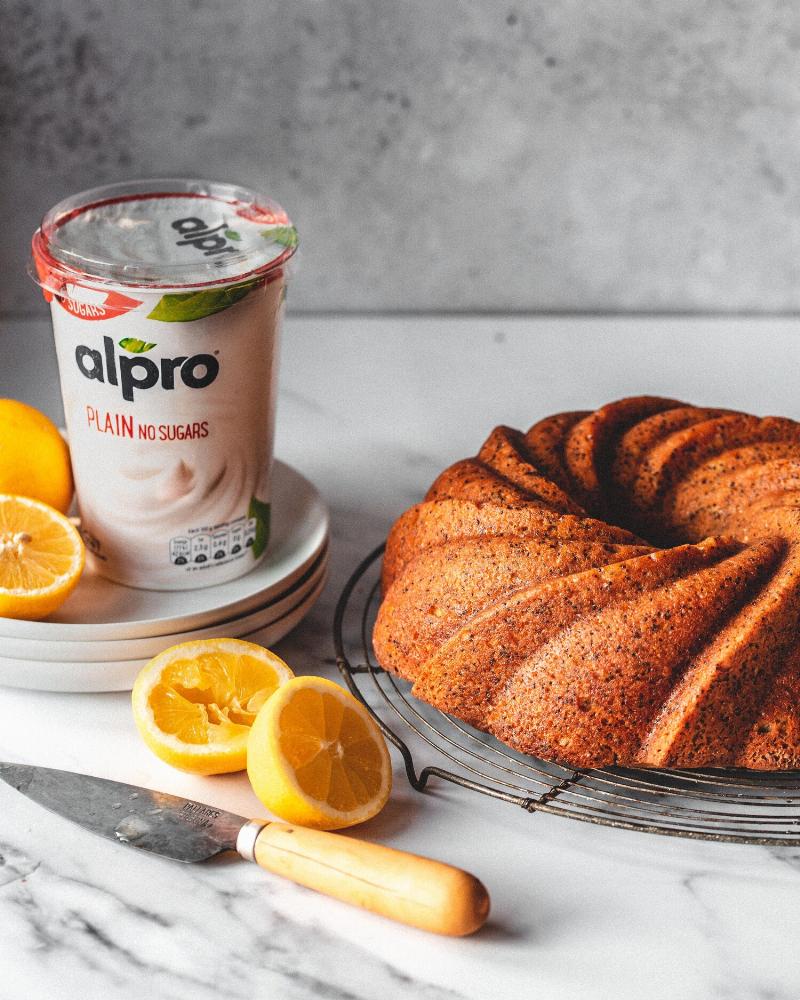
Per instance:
(41,558)
(316,757)
(194,703)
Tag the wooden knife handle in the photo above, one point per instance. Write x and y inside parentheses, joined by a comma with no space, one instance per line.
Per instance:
(406,887)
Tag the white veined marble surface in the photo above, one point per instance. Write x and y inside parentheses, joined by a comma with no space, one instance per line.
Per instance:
(371,410)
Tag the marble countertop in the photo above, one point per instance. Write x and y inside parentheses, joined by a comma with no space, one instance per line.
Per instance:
(371,409)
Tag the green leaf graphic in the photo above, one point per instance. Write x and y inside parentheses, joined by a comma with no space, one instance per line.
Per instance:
(286,236)
(135,346)
(188,306)
(261,512)
(232,234)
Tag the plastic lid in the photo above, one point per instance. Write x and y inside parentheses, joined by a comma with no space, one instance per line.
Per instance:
(161,234)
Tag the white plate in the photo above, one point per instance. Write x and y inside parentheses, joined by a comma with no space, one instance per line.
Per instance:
(119,675)
(115,649)
(100,609)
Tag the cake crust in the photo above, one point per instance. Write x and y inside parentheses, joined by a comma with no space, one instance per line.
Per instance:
(615,587)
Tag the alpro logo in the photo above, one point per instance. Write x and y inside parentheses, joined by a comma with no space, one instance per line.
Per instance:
(141,373)
(196,234)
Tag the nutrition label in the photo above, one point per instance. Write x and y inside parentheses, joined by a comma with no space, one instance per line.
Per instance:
(218,545)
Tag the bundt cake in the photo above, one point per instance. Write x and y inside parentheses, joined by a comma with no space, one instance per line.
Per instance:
(619,587)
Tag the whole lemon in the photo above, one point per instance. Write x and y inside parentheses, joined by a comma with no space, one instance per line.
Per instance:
(34,458)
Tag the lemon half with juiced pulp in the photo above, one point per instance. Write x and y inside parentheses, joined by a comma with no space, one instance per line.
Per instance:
(194,703)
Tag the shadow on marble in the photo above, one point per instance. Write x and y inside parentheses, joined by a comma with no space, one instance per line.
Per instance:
(399,814)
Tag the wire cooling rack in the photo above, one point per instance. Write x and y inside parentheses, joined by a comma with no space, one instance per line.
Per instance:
(736,806)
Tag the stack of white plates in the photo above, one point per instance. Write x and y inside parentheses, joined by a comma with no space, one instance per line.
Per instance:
(105,633)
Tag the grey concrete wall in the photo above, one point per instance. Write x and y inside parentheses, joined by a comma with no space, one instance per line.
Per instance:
(437,154)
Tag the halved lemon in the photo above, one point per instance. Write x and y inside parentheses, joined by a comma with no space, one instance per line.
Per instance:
(194,703)
(315,756)
(41,558)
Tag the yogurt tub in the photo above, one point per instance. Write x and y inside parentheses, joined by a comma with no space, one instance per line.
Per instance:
(167,299)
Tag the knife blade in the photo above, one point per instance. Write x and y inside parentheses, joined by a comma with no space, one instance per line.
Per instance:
(406,887)
(164,824)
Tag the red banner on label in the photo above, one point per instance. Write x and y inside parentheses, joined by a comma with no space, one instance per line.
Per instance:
(84,301)
(91,304)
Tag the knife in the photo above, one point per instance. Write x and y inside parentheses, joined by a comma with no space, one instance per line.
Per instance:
(405,887)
